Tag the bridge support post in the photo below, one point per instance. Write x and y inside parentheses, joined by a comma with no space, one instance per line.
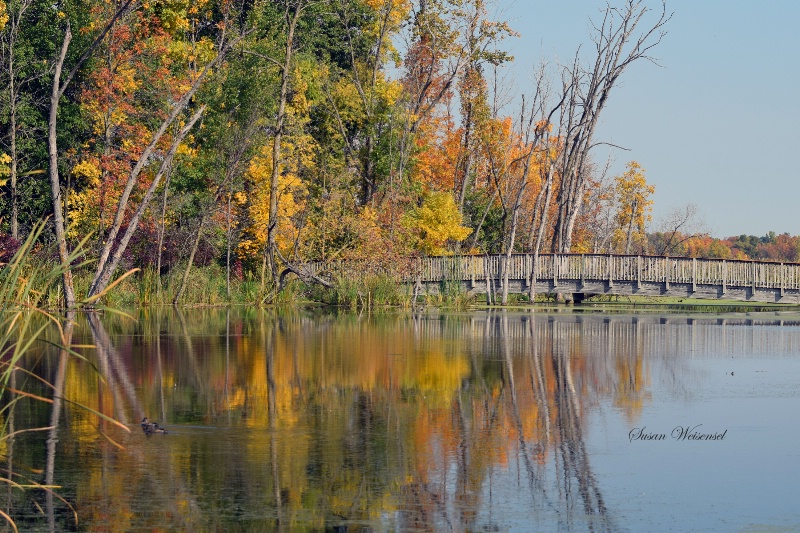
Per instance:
(583,271)
(555,270)
(724,276)
(694,274)
(638,271)
(783,279)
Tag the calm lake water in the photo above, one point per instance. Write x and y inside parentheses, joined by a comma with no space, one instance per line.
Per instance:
(478,421)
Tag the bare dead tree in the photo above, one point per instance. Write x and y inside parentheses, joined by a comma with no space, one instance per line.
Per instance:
(537,134)
(680,224)
(617,46)
(547,173)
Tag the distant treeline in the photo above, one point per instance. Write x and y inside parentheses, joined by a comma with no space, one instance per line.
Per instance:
(770,247)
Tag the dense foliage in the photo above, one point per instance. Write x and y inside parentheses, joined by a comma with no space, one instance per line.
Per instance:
(256,135)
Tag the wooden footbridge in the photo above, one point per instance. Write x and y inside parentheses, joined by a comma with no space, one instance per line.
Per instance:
(576,276)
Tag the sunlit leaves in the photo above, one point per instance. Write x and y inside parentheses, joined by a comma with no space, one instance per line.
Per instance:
(5,159)
(435,223)
(634,203)
(291,192)
(3,15)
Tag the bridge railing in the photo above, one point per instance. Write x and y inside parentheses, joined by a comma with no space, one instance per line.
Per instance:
(629,268)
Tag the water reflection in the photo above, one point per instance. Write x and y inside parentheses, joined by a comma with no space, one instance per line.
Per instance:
(311,421)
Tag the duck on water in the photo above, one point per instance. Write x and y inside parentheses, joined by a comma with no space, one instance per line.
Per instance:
(151,427)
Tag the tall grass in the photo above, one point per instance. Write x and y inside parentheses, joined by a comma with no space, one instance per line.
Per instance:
(366,290)
(205,286)
(23,289)
(27,289)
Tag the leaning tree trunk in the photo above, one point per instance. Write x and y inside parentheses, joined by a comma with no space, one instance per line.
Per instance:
(107,269)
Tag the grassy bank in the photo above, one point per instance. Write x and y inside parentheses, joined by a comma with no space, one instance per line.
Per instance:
(685,304)
(206,286)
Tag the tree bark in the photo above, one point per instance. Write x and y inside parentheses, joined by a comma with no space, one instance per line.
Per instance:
(55,183)
(542,226)
(57,92)
(272,224)
(107,269)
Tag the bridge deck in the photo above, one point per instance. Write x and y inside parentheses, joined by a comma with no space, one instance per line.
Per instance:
(609,274)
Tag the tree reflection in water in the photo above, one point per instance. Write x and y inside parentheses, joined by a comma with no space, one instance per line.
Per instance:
(295,420)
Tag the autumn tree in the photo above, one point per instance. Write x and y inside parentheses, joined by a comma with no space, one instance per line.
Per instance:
(447,35)
(59,86)
(196,67)
(292,12)
(361,99)
(215,192)
(633,205)
(475,110)
(435,223)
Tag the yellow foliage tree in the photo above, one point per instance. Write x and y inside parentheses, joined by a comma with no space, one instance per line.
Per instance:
(291,192)
(434,223)
(5,170)
(297,159)
(633,204)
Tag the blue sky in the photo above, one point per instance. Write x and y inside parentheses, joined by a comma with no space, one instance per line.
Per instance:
(717,124)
